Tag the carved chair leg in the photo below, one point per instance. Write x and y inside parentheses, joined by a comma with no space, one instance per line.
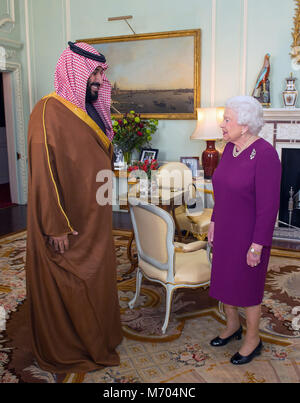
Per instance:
(186,234)
(169,293)
(139,277)
(131,257)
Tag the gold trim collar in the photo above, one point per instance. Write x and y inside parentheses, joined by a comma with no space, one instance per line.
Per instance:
(81,114)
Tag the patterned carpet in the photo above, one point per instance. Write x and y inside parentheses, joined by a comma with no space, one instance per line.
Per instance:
(183,354)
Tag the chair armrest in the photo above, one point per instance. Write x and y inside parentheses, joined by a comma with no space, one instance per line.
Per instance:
(189,247)
(204,216)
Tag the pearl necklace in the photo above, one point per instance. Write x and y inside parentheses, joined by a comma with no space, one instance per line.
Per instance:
(236,152)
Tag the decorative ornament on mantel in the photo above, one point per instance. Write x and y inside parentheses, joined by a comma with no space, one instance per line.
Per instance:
(290,94)
(261,89)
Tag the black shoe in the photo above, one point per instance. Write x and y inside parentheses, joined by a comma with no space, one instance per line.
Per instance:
(238,359)
(218,342)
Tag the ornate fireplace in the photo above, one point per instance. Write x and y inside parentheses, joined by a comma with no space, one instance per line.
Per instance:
(282,130)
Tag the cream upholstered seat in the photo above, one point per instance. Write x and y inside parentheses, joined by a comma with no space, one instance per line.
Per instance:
(181,177)
(196,224)
(174,175)
(160,259)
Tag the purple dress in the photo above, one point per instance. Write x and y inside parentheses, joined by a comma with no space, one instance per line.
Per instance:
(247,193)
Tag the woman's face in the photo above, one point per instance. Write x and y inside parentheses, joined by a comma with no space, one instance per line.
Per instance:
(232,131)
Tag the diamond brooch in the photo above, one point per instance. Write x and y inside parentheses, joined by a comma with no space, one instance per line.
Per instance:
(253,154)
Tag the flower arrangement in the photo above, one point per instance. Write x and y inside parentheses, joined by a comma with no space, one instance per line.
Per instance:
(132,132)
(146,166)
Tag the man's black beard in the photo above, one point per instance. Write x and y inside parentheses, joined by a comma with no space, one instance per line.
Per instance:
(90,97)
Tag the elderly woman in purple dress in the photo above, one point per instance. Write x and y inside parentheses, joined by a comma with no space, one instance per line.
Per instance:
(247,188)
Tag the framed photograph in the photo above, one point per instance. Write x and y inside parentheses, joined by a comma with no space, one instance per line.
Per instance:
(148,154)
(156,74)
(192,163)
(118,157)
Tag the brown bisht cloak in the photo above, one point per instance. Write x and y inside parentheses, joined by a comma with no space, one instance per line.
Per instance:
(73,302)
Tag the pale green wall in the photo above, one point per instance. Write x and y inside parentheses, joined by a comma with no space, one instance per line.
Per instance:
(16,33)
(46,25)
(269,25)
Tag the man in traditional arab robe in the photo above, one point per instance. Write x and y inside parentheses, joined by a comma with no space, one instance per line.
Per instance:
(71,266)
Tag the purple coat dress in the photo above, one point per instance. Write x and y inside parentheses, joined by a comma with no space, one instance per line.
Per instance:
(247,193)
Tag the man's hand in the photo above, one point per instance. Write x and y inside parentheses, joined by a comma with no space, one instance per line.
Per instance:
(60,243)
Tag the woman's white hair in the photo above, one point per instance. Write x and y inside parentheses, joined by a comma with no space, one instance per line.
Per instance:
(249,112)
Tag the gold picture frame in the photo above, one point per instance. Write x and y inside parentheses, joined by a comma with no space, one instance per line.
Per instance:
(145,69)
(295,54)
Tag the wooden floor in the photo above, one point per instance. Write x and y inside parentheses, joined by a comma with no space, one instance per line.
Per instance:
(13,219)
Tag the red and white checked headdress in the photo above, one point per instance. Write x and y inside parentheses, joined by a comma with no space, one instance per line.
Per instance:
(71,77)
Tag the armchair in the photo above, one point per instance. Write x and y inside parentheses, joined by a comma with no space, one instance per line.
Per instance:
(160,259)
(181,176)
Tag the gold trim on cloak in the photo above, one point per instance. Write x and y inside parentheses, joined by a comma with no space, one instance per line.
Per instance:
(50,169)
(81,114)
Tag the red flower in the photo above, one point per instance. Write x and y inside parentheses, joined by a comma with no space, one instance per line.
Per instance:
(139,133)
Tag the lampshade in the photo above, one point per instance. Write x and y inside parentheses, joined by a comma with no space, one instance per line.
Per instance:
(208,124)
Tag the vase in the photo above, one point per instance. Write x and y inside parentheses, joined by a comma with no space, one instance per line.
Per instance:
(290,94)
(127,157)
(210,159)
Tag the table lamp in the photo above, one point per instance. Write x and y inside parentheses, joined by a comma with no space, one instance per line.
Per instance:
(208,128)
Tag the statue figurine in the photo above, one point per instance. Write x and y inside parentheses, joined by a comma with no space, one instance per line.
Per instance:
(262,87)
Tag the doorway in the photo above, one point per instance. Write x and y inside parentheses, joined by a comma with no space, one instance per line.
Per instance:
(5,196)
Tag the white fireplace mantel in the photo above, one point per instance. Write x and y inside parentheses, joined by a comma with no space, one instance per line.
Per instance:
(282,114)
(282,128)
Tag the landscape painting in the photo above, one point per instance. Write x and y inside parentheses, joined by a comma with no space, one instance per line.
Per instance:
(156,75)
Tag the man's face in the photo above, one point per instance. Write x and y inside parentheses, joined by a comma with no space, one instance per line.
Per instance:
(94,82)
